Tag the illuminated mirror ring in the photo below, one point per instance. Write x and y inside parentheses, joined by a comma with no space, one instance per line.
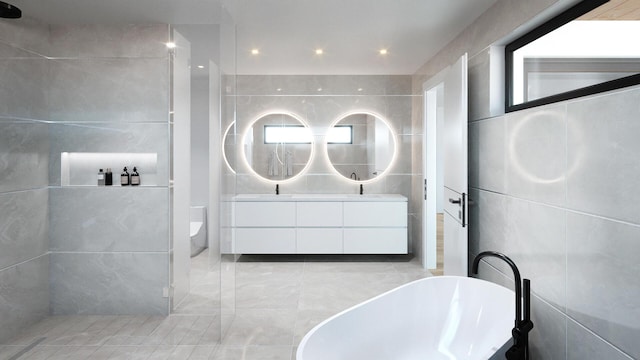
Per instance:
(225,153)
(277,146)
(361,144)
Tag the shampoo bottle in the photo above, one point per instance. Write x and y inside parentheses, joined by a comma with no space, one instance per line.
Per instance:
(124,177)
(100,178)
(108,177)
(135,177)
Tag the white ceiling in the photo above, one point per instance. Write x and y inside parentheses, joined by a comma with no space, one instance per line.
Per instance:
(351,32)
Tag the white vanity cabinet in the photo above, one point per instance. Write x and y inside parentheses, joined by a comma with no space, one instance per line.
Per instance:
(320,224)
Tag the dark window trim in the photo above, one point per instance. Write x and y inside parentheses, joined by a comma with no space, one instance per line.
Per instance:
(569,15)
(343,143)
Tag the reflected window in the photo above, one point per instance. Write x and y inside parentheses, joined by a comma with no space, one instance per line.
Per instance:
(590,48)
(288,134)
(340,134)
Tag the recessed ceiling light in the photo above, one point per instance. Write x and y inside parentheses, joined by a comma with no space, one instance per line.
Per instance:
(279,89)
(359,89)
(200,66)
(255,51)
(171,45)
(319,89)
(383,51)
(319,51)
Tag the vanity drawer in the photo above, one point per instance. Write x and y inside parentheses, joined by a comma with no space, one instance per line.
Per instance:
(319,214)
(375,214)
(319,241)
(265,241)
(265,214)
(375,241)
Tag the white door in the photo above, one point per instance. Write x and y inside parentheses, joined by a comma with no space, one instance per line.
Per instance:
(445,108)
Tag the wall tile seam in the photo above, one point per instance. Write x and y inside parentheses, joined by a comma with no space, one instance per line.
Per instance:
(19,47)
(591,332)
(9,119)
(568,210)
(24,262)
(509,278)
(18,191)
(94,58)
(56,252)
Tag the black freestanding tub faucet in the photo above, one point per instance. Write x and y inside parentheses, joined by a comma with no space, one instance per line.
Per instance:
(520,333)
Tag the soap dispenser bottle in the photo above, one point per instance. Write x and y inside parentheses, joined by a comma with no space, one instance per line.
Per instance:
(108,177)
(100,178)
(135,177)
(124,177)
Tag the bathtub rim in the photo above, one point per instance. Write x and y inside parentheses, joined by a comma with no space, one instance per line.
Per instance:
(305,339)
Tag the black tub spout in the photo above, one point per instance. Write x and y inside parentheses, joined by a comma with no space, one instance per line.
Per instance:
(520,333)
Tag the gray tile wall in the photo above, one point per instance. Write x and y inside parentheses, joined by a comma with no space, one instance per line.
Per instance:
(554,188)
(389,96)
(24,156)
(109,92)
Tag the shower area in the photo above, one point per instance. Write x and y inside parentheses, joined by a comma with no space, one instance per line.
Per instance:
(80,102)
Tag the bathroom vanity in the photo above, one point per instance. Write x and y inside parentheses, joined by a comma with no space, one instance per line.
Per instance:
(319,224)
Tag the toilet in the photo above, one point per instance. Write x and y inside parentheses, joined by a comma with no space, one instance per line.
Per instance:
(198,229)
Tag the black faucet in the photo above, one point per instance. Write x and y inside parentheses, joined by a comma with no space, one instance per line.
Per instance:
(520,333)
(277,189)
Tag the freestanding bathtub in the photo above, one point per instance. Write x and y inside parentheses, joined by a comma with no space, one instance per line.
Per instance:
(445,317)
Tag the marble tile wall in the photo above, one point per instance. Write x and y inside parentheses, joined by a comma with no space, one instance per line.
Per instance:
(388,96)
(24,156)
(109,92)
(553,188)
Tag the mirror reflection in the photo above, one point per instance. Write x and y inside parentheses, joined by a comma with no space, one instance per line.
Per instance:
(361,146)
(277,146)
(229,147)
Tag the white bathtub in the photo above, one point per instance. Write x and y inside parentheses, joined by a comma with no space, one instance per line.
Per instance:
(434,318)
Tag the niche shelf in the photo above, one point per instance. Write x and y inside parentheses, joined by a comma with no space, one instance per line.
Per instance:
(81,168)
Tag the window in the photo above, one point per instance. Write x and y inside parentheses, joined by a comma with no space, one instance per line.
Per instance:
(589,48)
(290,134)
(340,134)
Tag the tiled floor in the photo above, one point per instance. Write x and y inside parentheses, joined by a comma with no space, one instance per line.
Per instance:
(278,299)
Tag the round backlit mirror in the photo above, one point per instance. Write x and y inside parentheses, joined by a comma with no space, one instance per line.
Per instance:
(278,146)
(361,146)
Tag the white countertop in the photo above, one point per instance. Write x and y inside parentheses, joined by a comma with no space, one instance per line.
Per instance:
(319,197)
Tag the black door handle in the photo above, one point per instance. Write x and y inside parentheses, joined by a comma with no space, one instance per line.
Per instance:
(453,201)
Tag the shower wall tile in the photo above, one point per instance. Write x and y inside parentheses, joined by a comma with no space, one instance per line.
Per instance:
(28,33)
(23,85)
(603,155)
(24,295)
(92,283)
(602,279)
(95,41)
(488,154)
(113,219)
(24,155)
(112,138)
(110,90)
(24,226)
(536,148)
(583,344)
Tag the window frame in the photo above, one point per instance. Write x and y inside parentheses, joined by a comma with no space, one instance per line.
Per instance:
(343,143)
(565,17)
(282,126)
